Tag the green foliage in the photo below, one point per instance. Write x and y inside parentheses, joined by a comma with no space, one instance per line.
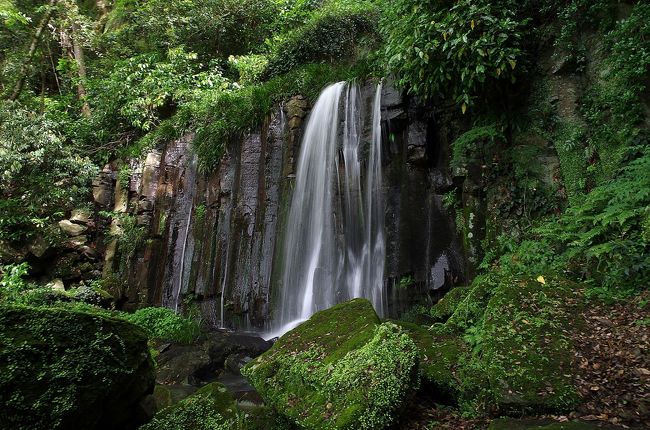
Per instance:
(199,212)
(212,28)
(124,176)
(604,234)
(405,282)
(141,90)
(10,15)
(475,144)
(452,50)
(58,365)
(165,324)
(331,34)
(250,68)
(12,283)
(446,306)
(210,408)
(130,237)
(221,115)
(40,176)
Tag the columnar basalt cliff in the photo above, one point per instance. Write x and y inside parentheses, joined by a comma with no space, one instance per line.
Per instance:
(215,239)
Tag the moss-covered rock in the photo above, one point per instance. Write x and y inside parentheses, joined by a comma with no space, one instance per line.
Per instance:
(441,311)
(341,369)
(61,368)
(521,353)
(470,310)
(512,424)
(440,353)
(210,408)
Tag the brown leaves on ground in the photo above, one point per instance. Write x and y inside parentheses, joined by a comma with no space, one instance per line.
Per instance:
(424,414)
(613,361)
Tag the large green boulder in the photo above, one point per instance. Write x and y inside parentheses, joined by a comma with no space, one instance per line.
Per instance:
(505,348)
(210,408)
(441,353)
(65,369)
(341,369)
(522,353)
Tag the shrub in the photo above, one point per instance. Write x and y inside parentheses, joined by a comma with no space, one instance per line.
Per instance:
(451,50)
(163,323)
(40,176)
(331,34)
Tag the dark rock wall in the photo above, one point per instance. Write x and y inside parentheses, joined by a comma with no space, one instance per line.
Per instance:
(214,237)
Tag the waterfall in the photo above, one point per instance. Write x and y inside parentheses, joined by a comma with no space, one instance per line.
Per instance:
(326,259)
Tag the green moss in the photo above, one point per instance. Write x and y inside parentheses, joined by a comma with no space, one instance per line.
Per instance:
(521,356)
(165,324)
(339,370)
(441,311)
(470,310)
(511,424)
(210,408)
(440,354)
(569,144)
(61,368)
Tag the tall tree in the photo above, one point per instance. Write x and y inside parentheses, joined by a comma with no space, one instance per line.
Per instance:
(36,38)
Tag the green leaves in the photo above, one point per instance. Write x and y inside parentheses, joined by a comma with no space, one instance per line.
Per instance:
(451,52)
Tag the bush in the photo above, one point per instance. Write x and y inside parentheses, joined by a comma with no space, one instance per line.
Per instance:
(165,324)
(41,177)
(331,34)
(212,28)
(453,50)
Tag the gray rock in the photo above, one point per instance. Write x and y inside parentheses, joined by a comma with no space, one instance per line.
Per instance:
(72,229)
(39,247)
(80,216)
(56,285)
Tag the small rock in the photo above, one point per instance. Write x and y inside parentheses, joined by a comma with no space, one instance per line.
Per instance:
(71,229)
(80,216)
(39,247)
(78,241)
(56,285)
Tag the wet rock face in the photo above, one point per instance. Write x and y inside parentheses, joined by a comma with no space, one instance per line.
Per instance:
(208,236)
(216,237)
(424,254)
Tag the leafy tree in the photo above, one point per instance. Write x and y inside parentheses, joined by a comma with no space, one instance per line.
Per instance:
(40,176)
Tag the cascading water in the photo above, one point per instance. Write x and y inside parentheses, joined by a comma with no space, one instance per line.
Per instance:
(325,263)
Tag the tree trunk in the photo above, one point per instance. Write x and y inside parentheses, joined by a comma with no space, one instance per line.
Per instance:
(24,68)
(78,54)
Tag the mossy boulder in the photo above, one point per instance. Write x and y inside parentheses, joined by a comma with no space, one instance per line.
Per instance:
(521,353)
(62,368)
(514,424)
(441,311)
(210,408)
(341,369)
(441,353)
